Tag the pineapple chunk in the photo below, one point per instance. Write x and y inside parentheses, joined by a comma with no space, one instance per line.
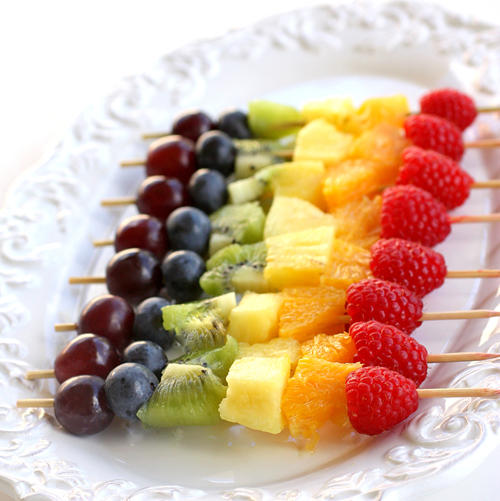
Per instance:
(298,258)
(290,214)
(389,109)
(335,110)
(350,180)
(320,140)
(254,393)
(255,319)
(348,263)
(277,347)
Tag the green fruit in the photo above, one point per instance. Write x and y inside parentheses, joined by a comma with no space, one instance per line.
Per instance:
(254,155)
(252,188)
(242,224)
(219,360)
(200,326)
(266,118)
(236,268)
(186,395)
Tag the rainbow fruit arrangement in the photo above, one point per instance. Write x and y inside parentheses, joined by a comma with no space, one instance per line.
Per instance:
(340,233)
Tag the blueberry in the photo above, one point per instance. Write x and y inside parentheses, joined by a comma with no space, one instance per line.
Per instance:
(215,150)
(146,353)
(188,228)
(128,387)
(208,190)
(148,323)
(235,124)
(181,273)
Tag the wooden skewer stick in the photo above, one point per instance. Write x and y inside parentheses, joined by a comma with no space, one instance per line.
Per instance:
(493,183)
(422,393)
(433,358)
(441,315)
(102,243)
(482,218)
(65,327)
(458,392)
(35,402)
(473,274)
(87,280)
(118,201)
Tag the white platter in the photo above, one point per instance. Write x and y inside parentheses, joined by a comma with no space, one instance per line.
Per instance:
(53,212)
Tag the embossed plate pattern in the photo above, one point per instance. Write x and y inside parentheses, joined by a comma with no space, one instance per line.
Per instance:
(53,212)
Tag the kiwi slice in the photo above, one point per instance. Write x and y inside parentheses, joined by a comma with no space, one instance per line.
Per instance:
(186,395)
(242,224)
(200,326)
(236,268)
(266,119)
(252,188)
(253,155)
(219,360)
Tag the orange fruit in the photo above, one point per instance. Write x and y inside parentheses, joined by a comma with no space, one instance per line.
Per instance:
(358,222)
(347,264)
(314,395)
(307,311)
(334,348)
(350,180)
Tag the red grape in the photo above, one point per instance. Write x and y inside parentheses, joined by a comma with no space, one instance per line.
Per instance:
(142,231)
(192,124)
(110,317)
(86,354)
(171,156)
(158,196)
(81,407)
(134,274)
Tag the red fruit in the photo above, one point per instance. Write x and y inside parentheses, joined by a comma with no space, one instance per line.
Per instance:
(413,214)
(192,124)
(378,399)
(451,104)
(410,264)
(171,156)
(439,175)
(374,299)
(435,133)
(386,346)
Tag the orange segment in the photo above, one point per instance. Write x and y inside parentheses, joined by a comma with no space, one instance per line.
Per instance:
(334,348)
(307,311)
(350,180)
(348,263)
(384,145)
(359,221)
(315,395)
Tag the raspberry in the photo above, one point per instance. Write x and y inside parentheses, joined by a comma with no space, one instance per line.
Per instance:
(451,104)
(435,133)
(410,264)
(386,346)
(413,214)
(439,175)
(375,299)
(378,399)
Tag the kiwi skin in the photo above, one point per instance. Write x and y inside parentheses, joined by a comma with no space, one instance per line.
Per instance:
(188,395)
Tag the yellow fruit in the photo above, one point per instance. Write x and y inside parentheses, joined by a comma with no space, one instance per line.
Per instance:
(254,393)
(255,318)
(348,263)
(358,222)
(391,110)
(320,140)
(298,258)
(289,214)
(314,395)
(307,311)
(301,180)
(277,347)
(337,111)
(334,348)
(350,180)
